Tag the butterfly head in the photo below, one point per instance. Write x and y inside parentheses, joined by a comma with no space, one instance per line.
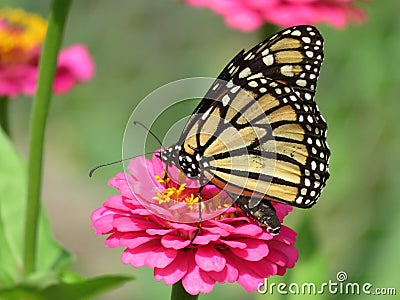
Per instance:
(187,163)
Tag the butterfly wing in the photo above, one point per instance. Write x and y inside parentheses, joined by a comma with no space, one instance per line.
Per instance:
(292,56)
(259,131)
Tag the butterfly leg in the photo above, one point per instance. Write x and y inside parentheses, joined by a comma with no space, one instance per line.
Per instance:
(200,215)
(261,211)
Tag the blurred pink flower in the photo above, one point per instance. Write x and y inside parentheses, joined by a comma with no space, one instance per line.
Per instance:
(248,15)
(21,38)
(228,248)
(74,65)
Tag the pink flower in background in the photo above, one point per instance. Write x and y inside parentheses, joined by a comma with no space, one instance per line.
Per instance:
(228,248)
(21,38)
(74,66)
(248,15)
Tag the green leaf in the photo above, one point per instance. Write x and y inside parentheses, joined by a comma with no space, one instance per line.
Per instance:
(19,292)
(65,290)
(84,289)
(12,207)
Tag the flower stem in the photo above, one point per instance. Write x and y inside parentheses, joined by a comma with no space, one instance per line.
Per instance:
(47,68)
(179,293)
(4,123)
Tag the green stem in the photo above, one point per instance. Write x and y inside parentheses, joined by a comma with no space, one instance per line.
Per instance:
(47,68)
(179,293)
(4,101)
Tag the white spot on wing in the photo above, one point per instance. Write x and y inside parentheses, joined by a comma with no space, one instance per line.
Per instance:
(235,89)
(253,84)
(255,76)
(287,70)
(225,100)
(307,96)
(249,56)
(301,82)
(205,115)
(296,33)
(215,86)
(268,60)
(309,53)
(245,72)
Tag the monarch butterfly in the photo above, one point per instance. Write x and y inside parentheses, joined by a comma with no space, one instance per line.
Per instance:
(257,133)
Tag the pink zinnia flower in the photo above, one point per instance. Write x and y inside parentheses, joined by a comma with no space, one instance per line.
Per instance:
(228,248)
(21,38)
(248,15)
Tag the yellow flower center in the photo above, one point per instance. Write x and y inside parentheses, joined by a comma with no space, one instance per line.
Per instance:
(20,32)
(172,193)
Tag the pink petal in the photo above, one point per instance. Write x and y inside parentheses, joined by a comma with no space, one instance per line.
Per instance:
(283,255)
(263,268)
(205,239)
(234,244)
(175,242)
(220,276)
(209,259)
(183,227)
(255,250)
(216,227)
(282,210)
(103,224)
(196,281)
(126,224)
(117,180)
(250,230)
(246,276)
(116,202)
(142,169)
(130,240)
(153,231)
(286,235)
(78,60)
(232,270)
(173,272)
(157,165)
(74,65)
(150,254)
(100,212)
(249,280)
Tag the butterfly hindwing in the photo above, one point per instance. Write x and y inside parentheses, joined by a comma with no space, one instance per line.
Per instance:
(271,146)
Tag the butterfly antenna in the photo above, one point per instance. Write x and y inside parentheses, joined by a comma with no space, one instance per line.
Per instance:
(114,162)
(121,160)
(148,130)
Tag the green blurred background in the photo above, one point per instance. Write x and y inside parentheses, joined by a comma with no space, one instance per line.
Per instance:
(141,45)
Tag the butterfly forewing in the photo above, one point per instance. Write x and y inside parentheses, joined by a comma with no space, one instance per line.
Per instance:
(292,56)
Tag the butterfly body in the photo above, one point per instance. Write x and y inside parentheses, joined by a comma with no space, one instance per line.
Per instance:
(257,134)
